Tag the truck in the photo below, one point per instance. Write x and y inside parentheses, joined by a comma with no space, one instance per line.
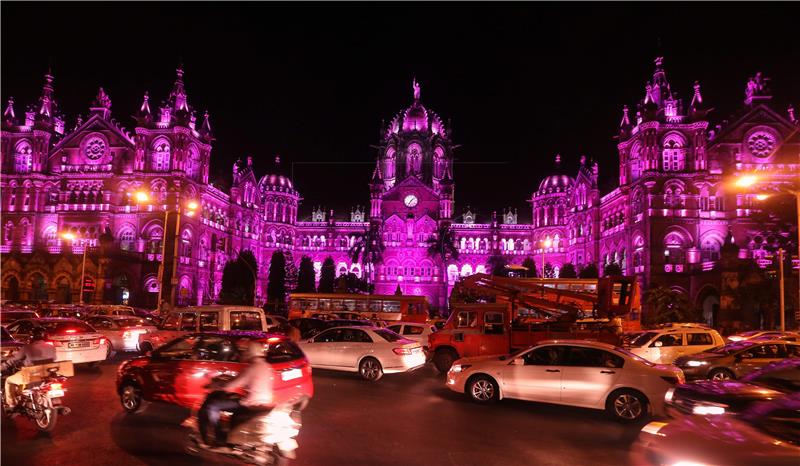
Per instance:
(517,313)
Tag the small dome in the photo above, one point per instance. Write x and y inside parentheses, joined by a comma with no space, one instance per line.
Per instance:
(415,118)
(275,180)
(555,183)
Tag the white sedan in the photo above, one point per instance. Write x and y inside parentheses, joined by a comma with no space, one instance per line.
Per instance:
(370,351)
(569,372)
(122,331)
(74,340)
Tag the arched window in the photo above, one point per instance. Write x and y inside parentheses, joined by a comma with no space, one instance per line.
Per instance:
(710,249)
(39,288)
(23,157)
(466,270)
(154,236)
(674,155)
(160,156)
(674,248)
(452,273)
(186,243)
(127,239)
(8,233)
(193,163)
(636,162)
(414,159)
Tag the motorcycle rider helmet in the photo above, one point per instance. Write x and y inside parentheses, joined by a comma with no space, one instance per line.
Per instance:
(38,333)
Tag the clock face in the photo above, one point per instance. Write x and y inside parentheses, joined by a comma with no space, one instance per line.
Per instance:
(410,200)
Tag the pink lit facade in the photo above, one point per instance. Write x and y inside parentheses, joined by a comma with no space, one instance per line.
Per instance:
(665,222)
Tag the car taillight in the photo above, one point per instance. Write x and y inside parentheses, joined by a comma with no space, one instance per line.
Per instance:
(99,341)
(671,379)
(402,351)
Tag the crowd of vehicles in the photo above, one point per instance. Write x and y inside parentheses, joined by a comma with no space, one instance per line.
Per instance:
(560,343)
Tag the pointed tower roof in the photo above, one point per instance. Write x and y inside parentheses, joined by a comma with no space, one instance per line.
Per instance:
(205,128)
(377,175)
(101,104)
(47,104)
(697,98)
(9,116)
(177,98)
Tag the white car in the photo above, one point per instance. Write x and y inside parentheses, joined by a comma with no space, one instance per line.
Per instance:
(73,339)
(370,351)
(764,335)
(413,331)
(122,331)
(569,372)
(664,345)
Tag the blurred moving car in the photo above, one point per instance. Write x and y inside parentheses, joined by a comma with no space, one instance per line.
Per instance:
(735,359)
(370,351)
(203,319)
(8,317)
(110,310)
(122,332)
(74,340)
(663,345)
(178,372)
(8,345)
(413,331)
(569,372)
(766,434)
(710,397)
(771,334)
(151,317)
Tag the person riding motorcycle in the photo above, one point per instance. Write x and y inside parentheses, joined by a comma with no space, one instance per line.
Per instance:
(38,351)
(256,380)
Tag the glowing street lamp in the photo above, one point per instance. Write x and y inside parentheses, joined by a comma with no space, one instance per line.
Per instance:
(69,236)
(746,181)
(546,243)
(141,197)
(762,197)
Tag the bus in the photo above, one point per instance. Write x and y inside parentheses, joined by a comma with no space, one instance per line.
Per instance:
(381,307)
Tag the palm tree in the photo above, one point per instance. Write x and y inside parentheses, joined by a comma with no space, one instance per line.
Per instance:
(367,249)
(443,247)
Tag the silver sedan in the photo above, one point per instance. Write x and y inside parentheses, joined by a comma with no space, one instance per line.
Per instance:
(122,331)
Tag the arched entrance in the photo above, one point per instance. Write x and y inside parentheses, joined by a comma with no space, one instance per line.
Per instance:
(12,289)
(708,302)
(64,293)
(38,288)
(122,292)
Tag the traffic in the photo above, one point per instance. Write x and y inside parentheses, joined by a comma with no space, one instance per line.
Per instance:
(244,377)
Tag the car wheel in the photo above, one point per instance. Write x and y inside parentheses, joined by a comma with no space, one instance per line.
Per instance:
(627,405)
(483,389)
(131,398)
(370,369)
(444,359)
(721,374)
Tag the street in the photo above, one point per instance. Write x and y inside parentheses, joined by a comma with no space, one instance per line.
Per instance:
(400,420)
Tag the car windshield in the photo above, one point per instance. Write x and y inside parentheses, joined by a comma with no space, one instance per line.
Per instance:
(66,327)
(642,339)
(731,347)
(4,335)
(388,335)
(131,322)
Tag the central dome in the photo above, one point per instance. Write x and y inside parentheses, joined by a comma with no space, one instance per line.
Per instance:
(416,118)
(558,182)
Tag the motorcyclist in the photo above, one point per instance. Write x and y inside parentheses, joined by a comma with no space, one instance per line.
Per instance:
(38,351)
(256,380)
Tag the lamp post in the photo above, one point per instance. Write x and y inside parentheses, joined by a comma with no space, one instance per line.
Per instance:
(71,237)
(749,180)
(546,243)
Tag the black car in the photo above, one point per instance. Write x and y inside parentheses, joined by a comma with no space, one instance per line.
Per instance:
(734,396)
(309,326)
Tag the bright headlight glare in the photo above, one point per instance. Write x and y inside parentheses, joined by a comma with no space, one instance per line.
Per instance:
(670,393)
(705,410)
(460,367)
(696,363)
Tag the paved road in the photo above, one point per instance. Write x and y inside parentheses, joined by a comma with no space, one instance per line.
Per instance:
(404,419)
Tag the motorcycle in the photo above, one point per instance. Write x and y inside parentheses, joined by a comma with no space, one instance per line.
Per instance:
(40,401)
(266,437)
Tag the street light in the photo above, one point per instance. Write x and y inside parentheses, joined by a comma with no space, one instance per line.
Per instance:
(749,180)
(72,237)
(546,243)
(141,197)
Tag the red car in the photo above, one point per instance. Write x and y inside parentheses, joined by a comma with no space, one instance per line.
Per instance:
(178,371)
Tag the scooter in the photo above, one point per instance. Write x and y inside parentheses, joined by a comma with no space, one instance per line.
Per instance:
(41,401)
(265,437)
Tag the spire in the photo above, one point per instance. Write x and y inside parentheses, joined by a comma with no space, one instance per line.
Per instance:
(377,176)
(145,108)
(626,121)
(178,95)
(46,102)
(790,110)
(415,85)
(697,98)
(558,161)
(205,128)
(101,104)
(9,116)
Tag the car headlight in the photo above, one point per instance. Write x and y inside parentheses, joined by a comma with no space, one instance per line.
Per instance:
(706,409)
(696,363)
(668,396)
(460,367)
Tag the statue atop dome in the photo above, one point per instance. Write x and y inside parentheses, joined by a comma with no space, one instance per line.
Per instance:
(415,85)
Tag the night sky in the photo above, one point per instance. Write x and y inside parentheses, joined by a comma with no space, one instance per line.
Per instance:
(521,82)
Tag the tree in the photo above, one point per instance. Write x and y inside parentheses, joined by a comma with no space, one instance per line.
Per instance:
(590,271)
(497,265)
(667,305)
(367,249)
(530,264)
(442,248)
(305,276)
(327,276)
(611,269)
(239,280)
(549,271)
(398,291)
(568,271)
(351,283)
(276,281)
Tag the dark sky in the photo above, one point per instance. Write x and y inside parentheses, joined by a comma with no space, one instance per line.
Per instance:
(312,82)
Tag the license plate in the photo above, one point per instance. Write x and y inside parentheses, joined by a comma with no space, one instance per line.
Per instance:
(78,344)
(55,393)
(291,374)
